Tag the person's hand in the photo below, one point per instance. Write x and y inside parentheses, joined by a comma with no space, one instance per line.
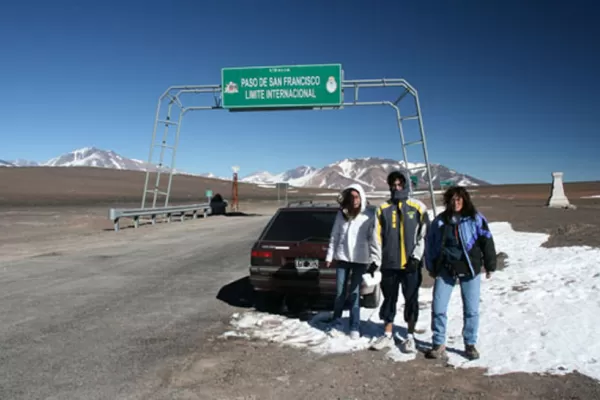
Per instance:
(329,264)
(412,265)
(432,275)
(372,268)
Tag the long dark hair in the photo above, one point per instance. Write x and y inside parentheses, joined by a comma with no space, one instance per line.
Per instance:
(468,208)
(346,204)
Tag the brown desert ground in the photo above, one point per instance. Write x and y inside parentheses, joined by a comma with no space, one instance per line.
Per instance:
(33,216)
(72,186)
(48,195)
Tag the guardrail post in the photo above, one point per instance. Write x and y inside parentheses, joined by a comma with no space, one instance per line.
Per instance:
(116,224)
(154,220)
(168,218)
(182,216)
(205,213)
(195,214)
(136,222)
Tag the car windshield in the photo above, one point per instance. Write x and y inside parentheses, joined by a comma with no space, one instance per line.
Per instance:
(305,225)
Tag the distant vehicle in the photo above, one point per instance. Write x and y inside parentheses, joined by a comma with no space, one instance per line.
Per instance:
(218,205)
(287,261)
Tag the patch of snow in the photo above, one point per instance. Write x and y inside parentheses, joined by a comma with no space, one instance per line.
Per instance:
(258,177)
(539,315)
(347,167)
(302,180)
(466,182)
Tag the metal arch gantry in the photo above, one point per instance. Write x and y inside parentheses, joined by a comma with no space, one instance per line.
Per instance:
(173,93)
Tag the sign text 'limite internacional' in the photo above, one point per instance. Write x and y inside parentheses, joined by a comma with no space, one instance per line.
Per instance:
(289,86)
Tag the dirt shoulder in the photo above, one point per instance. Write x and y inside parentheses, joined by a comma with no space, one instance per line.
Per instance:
(247,369)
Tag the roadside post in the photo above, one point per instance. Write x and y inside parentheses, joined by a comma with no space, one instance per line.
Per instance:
(282,186)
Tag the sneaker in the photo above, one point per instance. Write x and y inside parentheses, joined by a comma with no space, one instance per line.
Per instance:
(408,345)
(335,328)
(437,351)
(471,352)
(354,335)
(382,342)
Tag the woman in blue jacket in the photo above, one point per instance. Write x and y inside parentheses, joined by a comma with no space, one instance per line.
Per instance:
(458,246)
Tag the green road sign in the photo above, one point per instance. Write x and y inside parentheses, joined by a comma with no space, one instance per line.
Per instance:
(286,86)
(415,180)
(209,193)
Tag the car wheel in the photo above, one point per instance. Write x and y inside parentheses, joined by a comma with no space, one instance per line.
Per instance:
(295,304)
(372,300)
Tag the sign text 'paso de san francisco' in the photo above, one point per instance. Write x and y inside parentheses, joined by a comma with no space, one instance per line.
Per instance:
(282,87)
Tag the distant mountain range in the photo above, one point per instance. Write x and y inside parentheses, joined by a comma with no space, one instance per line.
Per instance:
(370,172)
(85,157)
(94,157)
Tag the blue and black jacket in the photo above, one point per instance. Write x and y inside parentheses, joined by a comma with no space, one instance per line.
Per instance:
(475,238)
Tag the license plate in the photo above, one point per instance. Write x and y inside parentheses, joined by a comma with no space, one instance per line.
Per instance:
(306,264)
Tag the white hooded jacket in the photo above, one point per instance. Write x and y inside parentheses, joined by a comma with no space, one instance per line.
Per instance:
(353,240)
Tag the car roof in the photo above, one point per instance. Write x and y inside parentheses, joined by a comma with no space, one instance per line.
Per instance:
(312,205)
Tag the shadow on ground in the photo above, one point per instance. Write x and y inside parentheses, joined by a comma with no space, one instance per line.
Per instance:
(238,293)
(242,214)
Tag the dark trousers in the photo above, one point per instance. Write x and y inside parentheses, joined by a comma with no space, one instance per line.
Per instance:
(391,281)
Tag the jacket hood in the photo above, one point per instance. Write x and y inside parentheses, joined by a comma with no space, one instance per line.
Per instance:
(361,193)
(404,193)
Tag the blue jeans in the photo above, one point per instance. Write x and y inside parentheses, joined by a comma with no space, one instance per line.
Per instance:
(442,290)
(349,271)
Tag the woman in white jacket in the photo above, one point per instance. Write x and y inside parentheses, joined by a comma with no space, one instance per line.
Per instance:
(351,249)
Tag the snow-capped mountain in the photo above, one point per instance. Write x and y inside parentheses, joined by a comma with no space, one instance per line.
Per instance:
(295,177)
(370,172)
(93,157)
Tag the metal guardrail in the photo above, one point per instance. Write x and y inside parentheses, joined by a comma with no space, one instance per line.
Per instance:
(115,214)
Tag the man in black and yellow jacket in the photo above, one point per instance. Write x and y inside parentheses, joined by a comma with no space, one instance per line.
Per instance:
(400,228)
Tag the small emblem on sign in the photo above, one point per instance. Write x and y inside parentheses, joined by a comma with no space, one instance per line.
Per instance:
(231,87)
(331,84)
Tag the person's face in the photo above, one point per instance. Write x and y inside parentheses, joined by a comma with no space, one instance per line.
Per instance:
(457,203)
(397,185)
(354,199)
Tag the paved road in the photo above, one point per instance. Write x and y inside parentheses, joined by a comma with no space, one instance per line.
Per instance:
(96,322)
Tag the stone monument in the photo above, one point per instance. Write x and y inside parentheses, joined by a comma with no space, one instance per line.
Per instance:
(557,198)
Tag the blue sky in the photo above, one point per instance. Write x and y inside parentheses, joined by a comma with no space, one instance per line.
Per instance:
(508,89)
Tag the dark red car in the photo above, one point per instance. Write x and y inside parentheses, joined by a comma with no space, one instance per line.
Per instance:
(287,262)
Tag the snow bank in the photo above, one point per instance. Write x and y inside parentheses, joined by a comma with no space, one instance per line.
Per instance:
(541,314)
